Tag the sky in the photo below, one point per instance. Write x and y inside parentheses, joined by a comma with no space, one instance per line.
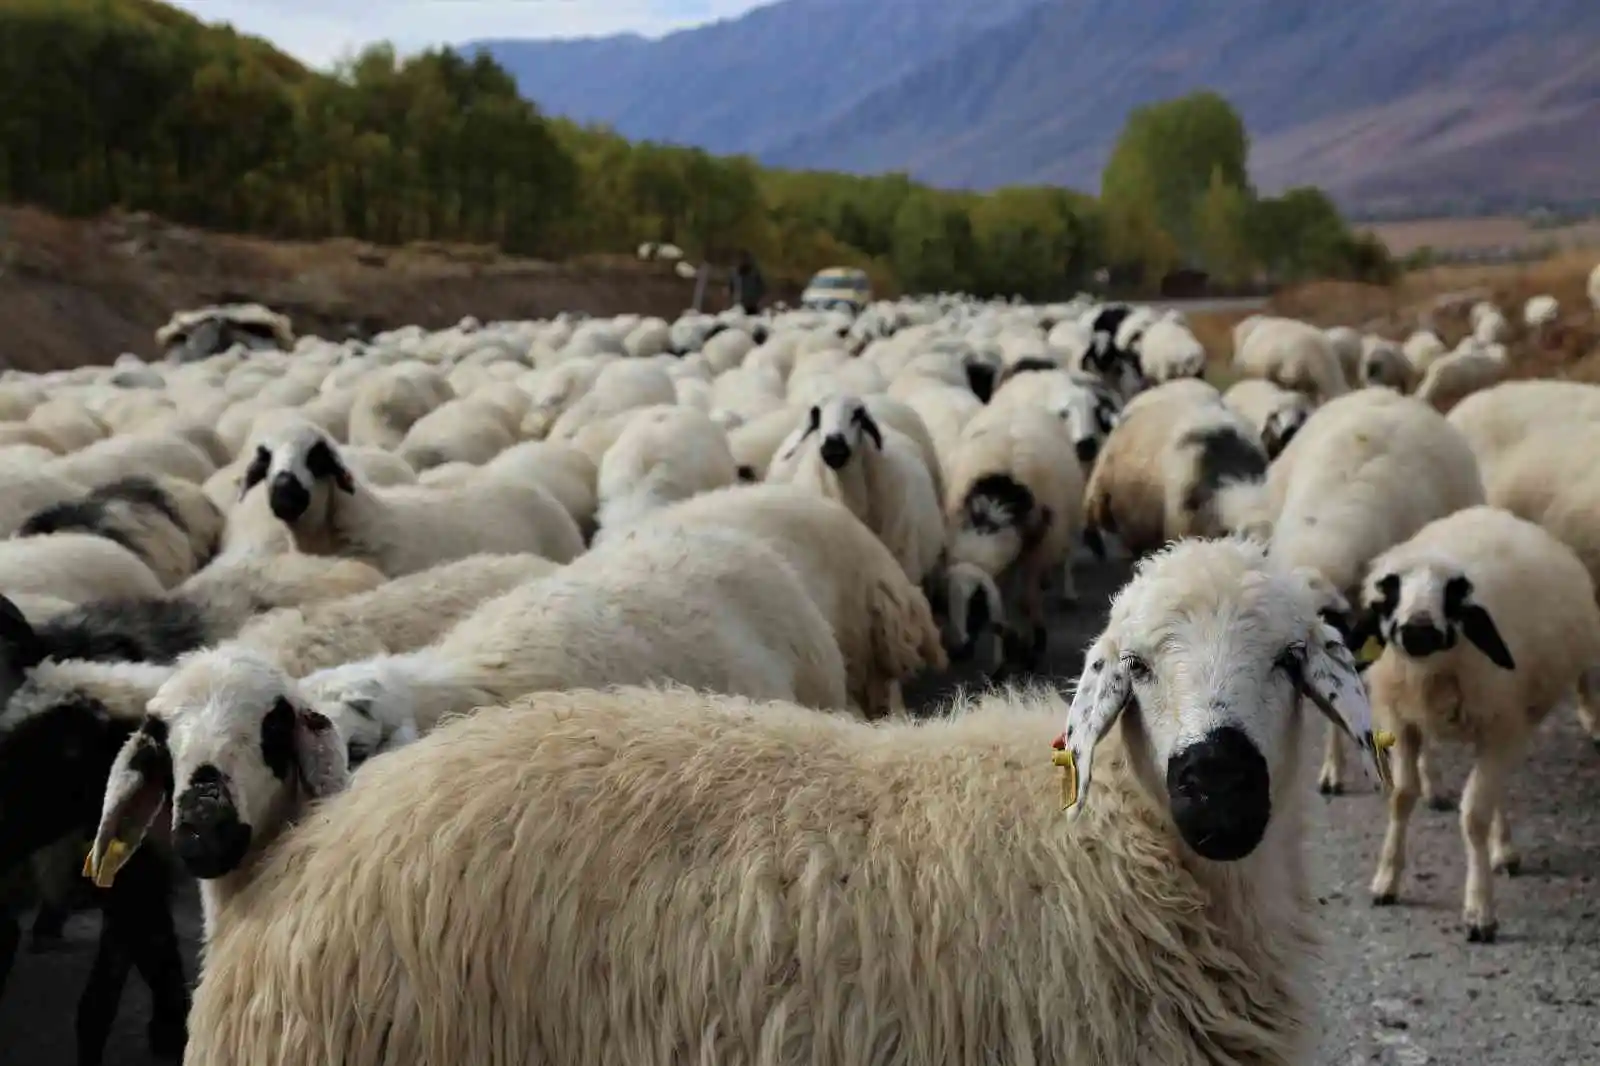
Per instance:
(320,31)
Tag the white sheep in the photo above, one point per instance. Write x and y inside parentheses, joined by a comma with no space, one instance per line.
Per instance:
(133,455)
(1014,509)
(1170,467)
(1276,413)
(401,615)
(1497,419)
(25,490)
(76,567)
(1594,288)
(1488,623)
(1489,326)
(754,443)
(664,455)
(1540,313)
(1365,473)
(1471,368)
(1295,355)
(713,609)
(467,431)
(842,452)
(1421,348)
(1383,363)
(1348,346)
(914,884)
(404,528)
(619,387)
(1168,350)
(1085,404)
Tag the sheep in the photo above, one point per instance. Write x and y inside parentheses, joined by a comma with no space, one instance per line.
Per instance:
(1594,288)
(388,404)
(1014,509)
(1171,467)
(406,528)
(1489,326)
(1384,364)
(877,471)
(26,490)
(1487,623)
(67,422)
(1168,350)
(1366,472)
(890,865)
(1421,349)
(1294,355)
(1087,406)
(714,609)
(469,431)
(561,470)
(133,455)
(57,744)
(944,411)
(881,621)
(1452,378)
(1498,418)
(619,387)
(1347,345)
(1540,313)
(754,443)
(398,616)
(1275,413)
(666,454)
(167,522)
(75,567)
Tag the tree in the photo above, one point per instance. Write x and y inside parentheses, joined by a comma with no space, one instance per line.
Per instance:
(1222,217)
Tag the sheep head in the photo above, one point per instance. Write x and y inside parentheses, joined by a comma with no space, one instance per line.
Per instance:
(230,742)
(301,467)
(1204,663)
(1424,607)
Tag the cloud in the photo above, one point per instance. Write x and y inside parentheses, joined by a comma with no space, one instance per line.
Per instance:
(320,31)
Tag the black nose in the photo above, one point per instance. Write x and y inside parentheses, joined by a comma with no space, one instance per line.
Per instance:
(1221,795)
(1422,639)
(1087,450)
(980,379)
(835,452)
(289,498)
(209,839)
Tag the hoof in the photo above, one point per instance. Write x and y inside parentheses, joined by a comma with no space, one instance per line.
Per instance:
(1383,899)
(1442,804)
(1330,788)
(1482,933)
(1511,867)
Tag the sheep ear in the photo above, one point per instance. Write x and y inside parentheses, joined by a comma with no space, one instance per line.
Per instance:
(323,462)
(20,646)
(320,754)
(869,426)
(1476,623)
(1326,674)
(1104,690)
(139,783)
(256,472)
(1478,627)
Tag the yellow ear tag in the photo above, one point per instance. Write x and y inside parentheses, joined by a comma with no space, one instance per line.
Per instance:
(1383,740)
(116,854)
(1370,651)
(1069,778)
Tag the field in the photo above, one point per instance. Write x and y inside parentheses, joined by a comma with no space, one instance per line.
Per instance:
(1478,234)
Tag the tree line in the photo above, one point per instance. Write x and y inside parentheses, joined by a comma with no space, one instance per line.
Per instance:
(137,105)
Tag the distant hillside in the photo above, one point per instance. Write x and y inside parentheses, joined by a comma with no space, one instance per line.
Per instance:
(1384,104)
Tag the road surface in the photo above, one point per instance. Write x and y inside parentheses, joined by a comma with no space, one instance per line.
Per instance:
(1400,987)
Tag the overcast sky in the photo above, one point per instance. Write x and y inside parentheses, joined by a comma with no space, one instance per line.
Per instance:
(319,31)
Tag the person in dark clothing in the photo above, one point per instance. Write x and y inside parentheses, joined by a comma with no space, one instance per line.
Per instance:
(745,285)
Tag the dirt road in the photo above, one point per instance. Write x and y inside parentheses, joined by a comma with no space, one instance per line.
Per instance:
(1400,987)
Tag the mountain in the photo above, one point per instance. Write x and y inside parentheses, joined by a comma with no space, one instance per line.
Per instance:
(1384,104)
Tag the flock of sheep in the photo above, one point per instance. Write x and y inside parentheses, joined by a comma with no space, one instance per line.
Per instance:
(531,691)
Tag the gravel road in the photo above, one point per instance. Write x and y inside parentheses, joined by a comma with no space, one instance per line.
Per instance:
(1400,986)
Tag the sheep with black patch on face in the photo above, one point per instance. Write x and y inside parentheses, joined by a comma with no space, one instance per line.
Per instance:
(1367,471)
(1086,405)
(932,854)
(1276,413)
(402,529)
(1488,623)
(843,453)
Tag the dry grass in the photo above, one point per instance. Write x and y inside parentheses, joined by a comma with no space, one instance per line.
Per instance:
(1472,234)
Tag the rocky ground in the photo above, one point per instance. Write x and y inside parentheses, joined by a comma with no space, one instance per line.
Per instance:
(1400,986)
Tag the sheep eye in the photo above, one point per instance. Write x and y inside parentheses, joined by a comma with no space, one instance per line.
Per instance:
(1137,668)
(1291,658)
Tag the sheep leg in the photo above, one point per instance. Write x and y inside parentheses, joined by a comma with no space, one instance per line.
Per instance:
(1503,857)
(1330,782)
(1588,702)
(102,994)
(1480,800)
(1069,584)
(1435,800)
(1406,759)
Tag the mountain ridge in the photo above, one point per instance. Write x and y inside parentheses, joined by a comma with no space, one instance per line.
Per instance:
(1429,102)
